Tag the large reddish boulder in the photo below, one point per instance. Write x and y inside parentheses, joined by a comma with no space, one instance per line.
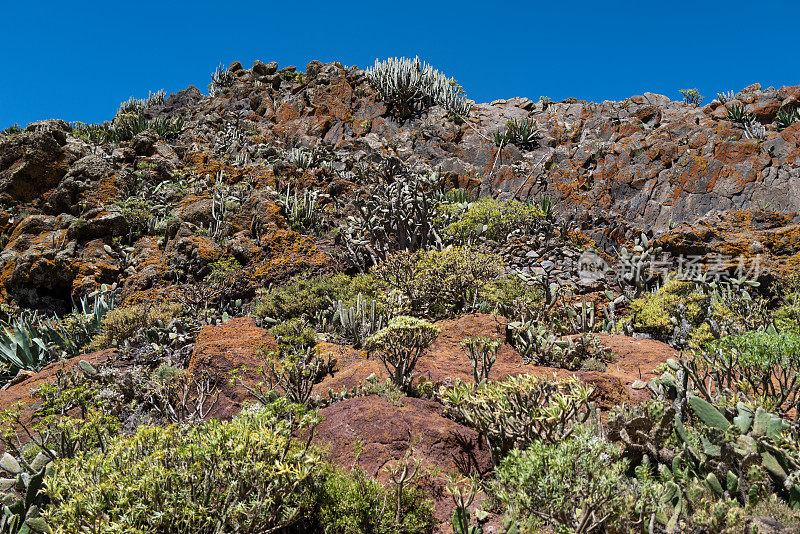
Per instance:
(231,349)
(369,432)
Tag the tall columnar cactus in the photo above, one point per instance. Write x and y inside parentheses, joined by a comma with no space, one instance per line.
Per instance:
(357,323)
(399,213)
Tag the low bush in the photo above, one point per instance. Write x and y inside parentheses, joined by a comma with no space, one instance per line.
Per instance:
(438,283)
(120,324)
(653,313)
(249,475)
(493,219)
(573,485)
(294,333)
(307,297)
(515,412)
(354,503)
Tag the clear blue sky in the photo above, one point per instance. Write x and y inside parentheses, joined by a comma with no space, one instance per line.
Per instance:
(78,60)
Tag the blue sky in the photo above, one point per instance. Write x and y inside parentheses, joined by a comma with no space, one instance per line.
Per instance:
(79,60)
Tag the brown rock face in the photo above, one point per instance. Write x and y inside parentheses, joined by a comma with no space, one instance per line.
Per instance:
(369,432)
(34,161)
(232,347)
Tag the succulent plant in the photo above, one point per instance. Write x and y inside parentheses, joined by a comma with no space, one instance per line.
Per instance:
(738,449)
(138,105)
(23,498)
(221,80)
(523,133)
(519,410)
(738,113)
(398,213)
(754,130)
(400,344)
(482,352)
(725,97)
(786,117)
(301,210)
(357,323)
(409,85)
(636,268)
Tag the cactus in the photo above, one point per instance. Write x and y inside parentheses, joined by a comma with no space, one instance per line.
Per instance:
(301,211)
(635,269)
(398,213)
(357,323)
(409,86)
(21,506)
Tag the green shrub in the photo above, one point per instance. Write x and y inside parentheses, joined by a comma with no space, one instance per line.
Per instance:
(762,365)
(299,297)
(438,283)
(247,475)
(493,219)
(574,485)
(294,333)
(306,297)
(400,345)
(120,324)
(511,296)
(293,372)
(353,503)
(519,410)
(653,313)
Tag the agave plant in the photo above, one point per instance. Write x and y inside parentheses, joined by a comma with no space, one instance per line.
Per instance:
(786,117)
(21,348)
(522,133)
(738,113)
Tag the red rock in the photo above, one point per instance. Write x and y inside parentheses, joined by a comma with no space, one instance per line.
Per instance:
(232,347)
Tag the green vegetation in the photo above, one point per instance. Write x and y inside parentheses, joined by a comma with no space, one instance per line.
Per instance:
(438,283)
(400,345)
(519,410)
(247,475)
(691,96)
(575,485)
(494,219)
(120,324)
(409,86)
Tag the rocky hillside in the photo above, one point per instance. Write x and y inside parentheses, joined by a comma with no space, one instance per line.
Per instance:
(689,174)
(407,284)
